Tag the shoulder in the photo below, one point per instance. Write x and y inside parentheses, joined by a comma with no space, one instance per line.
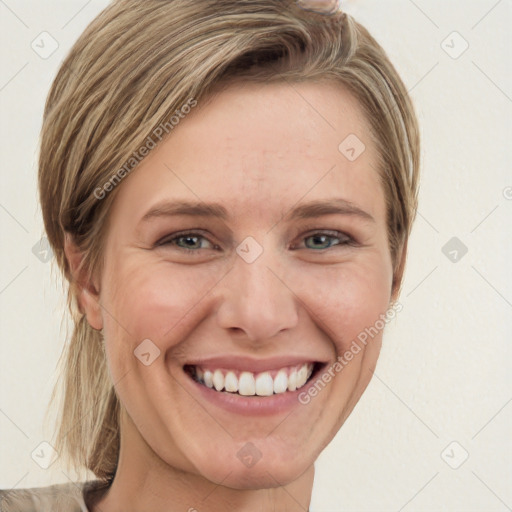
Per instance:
(68,497)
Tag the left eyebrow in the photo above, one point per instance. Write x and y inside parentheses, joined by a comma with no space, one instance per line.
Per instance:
(328,207)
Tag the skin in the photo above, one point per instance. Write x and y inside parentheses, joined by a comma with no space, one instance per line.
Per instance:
(260,151)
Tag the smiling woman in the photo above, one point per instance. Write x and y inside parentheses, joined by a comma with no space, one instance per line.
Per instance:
(229,270)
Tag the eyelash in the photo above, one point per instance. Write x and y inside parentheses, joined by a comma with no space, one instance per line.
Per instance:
(343,237)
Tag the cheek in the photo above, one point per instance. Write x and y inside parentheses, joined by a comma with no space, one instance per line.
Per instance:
(153,300)
(347,299)
(156,300)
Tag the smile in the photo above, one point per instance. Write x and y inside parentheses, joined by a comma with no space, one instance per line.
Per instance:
(246,383)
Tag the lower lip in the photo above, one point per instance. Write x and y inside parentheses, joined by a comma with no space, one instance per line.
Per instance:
(253,405)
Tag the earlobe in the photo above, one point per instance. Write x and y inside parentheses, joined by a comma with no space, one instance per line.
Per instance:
(86,291)
(90,306)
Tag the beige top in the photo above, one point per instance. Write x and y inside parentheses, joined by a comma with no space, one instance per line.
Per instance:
(68,497)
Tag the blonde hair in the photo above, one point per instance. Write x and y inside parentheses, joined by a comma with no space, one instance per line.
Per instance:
(133,67)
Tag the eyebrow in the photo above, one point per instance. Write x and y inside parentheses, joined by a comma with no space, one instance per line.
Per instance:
(304,211)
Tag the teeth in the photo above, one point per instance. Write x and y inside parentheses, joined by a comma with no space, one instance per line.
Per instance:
(281,382)
(208,378)
(302,376)
(218,380)
(246,384)
(292,381)
(262,384)
(231,382)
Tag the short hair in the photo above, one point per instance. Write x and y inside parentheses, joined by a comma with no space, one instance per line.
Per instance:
(137,63)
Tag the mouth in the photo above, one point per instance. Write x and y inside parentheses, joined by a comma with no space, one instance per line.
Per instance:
(278,381)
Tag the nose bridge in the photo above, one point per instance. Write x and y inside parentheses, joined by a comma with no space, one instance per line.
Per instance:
(255,300)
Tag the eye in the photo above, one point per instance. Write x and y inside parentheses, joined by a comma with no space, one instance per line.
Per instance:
(326,239)
(193,242)
(189,241)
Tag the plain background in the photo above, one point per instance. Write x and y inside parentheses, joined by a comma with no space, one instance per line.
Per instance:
(442,390)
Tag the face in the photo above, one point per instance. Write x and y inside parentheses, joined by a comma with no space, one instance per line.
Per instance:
(243,257)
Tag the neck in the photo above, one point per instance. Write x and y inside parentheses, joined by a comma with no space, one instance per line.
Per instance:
(144,482)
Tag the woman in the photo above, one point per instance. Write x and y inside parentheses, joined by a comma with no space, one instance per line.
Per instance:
(229,188)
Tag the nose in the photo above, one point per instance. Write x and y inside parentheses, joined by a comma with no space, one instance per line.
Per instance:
(256,303)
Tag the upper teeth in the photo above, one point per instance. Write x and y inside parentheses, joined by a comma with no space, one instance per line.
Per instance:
(261,384)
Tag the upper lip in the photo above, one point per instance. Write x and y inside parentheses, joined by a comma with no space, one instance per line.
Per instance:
(249,364)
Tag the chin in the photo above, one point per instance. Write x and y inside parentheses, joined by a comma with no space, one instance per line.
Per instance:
(248,467)
(261,476)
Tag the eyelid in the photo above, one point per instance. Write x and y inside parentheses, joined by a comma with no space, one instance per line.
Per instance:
(167,239)
(345,238)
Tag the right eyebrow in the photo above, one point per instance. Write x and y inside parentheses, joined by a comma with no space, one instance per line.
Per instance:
(195,209)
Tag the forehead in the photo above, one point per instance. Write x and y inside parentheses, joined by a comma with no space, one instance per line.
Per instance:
(260,148)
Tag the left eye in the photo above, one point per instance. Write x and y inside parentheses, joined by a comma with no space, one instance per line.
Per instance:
(325,239)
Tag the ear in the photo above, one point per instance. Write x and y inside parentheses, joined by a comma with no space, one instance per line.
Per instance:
(87,291)
(399,272)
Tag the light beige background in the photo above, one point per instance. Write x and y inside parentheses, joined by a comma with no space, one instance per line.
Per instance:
(444,377)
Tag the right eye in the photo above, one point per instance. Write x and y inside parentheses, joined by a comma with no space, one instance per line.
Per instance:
(186,241)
